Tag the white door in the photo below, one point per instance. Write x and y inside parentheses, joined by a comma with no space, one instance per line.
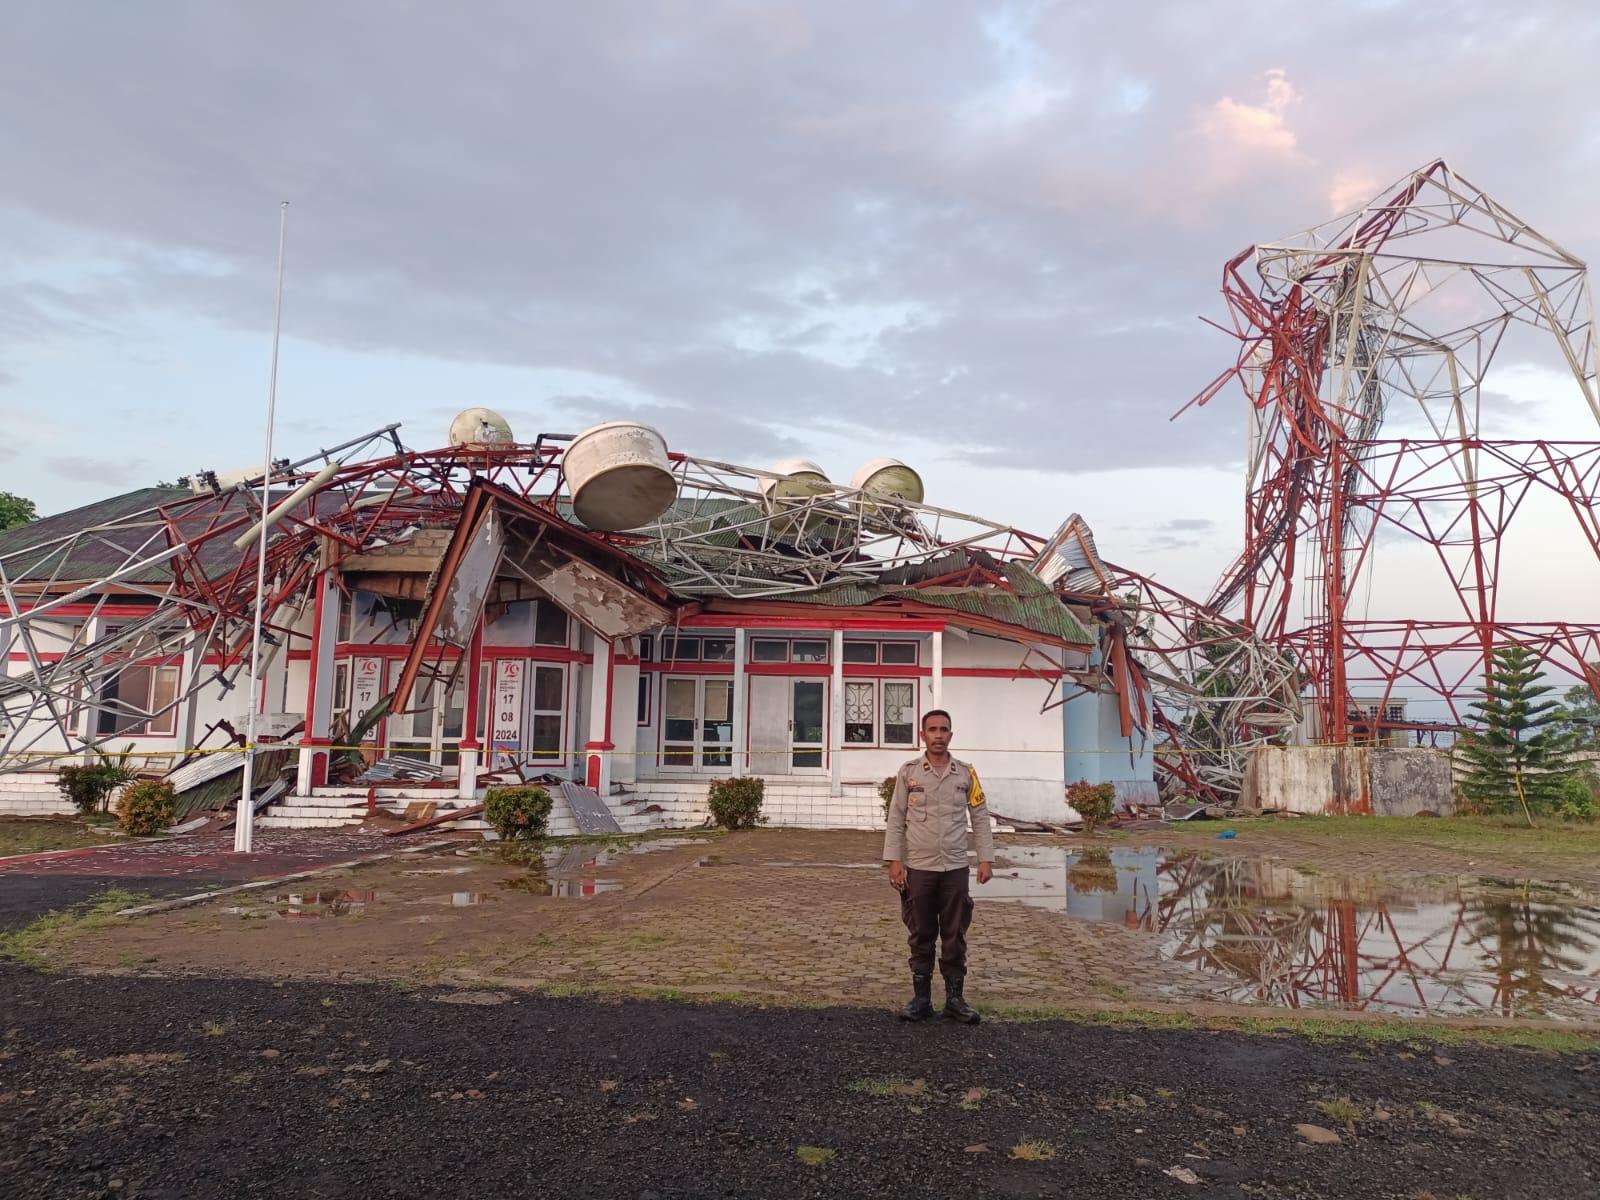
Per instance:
(769,725)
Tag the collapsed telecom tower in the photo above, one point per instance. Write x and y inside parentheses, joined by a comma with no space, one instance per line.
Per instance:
(1364,345)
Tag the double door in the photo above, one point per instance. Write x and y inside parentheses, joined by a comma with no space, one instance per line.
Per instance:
(788,725)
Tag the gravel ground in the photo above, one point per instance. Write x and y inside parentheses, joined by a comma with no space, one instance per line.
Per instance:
(198,1087)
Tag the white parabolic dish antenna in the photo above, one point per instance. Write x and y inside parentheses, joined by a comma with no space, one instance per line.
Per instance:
(480,427)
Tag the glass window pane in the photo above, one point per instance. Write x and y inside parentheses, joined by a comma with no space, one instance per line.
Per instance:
(860,703)
(341,687)
(547,689)
(679,729)
(550,625)
(678,757)
(680,649)
(716,650)
(719,699)
(510,624)
(900,653)
(680,700)
(644,699)
(712,756)
(899,713)
(861,652)
(547,736)
(807,713)
(807,758)
(768,650)
(810,652)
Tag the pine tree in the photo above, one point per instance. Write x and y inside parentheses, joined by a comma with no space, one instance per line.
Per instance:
(1517,755)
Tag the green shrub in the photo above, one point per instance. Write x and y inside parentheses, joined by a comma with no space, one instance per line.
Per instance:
(1094,802)
(886,794)
(518,812)
(736,803)
(90,786)
(146,808)
(1577,800)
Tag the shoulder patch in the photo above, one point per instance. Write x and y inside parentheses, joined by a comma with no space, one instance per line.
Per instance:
(975,794)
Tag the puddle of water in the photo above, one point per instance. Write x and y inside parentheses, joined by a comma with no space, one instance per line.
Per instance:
(561,887)
(456,899)
(1261,932)
(312,905)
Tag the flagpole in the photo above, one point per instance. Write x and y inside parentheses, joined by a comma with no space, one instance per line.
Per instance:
(244,823)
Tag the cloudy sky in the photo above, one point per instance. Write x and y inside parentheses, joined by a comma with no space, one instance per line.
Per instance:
(977,236)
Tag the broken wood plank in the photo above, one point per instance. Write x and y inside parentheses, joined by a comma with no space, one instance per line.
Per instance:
(444,818)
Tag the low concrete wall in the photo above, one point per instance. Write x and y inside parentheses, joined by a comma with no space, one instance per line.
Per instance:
(1349,779)
(1403,783)
(33,794)
(1307,779)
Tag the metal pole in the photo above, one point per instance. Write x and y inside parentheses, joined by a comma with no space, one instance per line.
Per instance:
(244,824)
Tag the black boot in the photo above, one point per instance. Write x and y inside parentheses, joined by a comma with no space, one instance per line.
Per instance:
(955,1005)
(921,1006)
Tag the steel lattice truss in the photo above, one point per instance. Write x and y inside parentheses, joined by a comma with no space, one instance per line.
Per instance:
(1351,333)
(192,559)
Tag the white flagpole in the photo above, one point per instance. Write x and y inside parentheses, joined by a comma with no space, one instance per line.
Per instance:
(244,824)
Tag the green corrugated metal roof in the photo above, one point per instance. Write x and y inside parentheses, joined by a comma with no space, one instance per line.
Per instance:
(90,559)
(1041,612)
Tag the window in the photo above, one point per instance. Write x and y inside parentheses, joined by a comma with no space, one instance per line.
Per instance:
(342,633)
(383,620)
(549,697)
(860,713)
(861,652)
(716,649)
(899,713)
(900,653)
(549,625)
(769,650)
(810,652)
(510,624)
(644,699)
(133,692)
(680,649)
(678,720)
(646,648)
(716,723)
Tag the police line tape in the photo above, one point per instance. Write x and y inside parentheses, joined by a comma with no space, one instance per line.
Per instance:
(562,753)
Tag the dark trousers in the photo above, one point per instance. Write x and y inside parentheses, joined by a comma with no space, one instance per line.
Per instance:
(937,905)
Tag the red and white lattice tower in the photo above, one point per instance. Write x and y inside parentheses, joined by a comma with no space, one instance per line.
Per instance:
(1364,348)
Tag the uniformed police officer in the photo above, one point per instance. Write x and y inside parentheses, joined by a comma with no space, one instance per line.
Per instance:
(926,851)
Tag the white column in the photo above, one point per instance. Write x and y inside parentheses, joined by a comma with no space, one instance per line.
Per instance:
(836,718)
(314,742)
(936,641)
(741,714)
(599,746)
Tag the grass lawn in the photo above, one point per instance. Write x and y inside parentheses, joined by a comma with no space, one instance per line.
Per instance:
(30,835)
(1456,833)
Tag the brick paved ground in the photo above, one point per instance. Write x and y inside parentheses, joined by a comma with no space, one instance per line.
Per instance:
(774,915)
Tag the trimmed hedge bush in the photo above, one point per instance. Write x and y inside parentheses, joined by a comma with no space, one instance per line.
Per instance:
(147,808)
(736,803)
(518,813)
(90,787)
(886,794)
(1094,802)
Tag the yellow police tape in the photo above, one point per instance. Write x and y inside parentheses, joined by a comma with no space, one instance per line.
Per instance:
(684,748)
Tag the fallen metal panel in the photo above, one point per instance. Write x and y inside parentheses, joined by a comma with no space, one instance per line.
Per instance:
(588,809)
(467,589)
(610,608)
(203,769)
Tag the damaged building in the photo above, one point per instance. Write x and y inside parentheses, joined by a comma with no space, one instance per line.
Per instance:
(596,611)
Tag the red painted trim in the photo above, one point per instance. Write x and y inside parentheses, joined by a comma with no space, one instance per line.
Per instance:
(86,609)
(313,675)
(553,654)
(611,683)
(308,740)
(299,656)
(599,746)
(998,673)
(474,684)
